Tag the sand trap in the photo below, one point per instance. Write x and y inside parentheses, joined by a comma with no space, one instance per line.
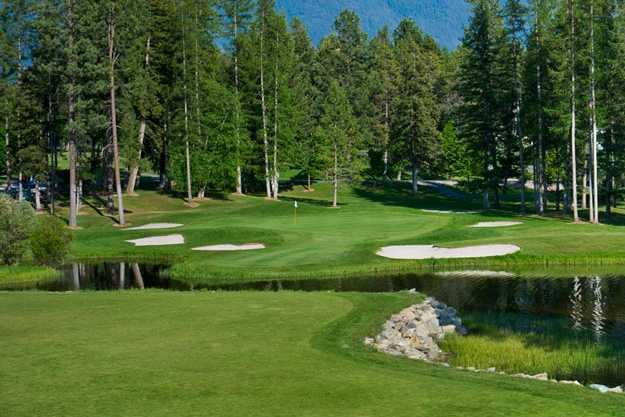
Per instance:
(230,248)
(433,252)
(447,212)
(156,226)
(159,241)
(496,224)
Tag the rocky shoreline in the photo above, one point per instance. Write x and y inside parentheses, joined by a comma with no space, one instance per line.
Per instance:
(414,333)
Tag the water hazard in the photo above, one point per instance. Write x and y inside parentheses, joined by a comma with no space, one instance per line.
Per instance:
(588,310)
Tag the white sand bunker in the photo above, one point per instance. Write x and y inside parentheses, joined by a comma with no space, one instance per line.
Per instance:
(156,226)
(230,248)
(447,212)
(159,241)
(496,224)
(433,252)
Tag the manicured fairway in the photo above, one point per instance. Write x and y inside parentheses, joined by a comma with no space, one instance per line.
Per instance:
(240,354)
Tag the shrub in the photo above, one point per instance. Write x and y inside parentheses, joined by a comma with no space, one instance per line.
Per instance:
(50,241)
(17,220)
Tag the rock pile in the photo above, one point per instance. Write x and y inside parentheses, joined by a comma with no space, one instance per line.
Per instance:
(415,331)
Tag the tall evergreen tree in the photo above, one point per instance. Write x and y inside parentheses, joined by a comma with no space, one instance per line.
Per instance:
(416,112)
(478,87)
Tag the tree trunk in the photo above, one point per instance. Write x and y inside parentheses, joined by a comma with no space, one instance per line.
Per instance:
(591,204)
(399,174)
(239,179)
(386,134)
(76,277)
(133,177)
(38,206)
(540,176)
(7,144)
(335,201)
(585,187)
(593,109)
(72,148)
(136,272)
(264,106)
(415,181)
(186,114)
(309,188)
(122,275)
(17,110)
(276,174)
(164,159)
(112,59)
(52,145)
(573,117)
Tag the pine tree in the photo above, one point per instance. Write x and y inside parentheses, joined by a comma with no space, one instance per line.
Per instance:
(306,95)
(416,114)
(384,90)
(512,56)
(478,87)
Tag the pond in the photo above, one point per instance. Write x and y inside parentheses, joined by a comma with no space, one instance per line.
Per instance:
(586,312)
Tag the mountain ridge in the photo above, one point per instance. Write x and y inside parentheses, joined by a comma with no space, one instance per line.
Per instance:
(444,20)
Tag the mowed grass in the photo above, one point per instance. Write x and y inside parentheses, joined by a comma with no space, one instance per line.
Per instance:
(241,355)
(321,241)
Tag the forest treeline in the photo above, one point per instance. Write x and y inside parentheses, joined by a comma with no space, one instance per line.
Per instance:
(227,95)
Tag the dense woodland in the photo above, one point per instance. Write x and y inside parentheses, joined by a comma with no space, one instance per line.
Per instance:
(227,96)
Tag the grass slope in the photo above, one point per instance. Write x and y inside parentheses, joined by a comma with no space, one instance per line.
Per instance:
(240,354)
(326,242)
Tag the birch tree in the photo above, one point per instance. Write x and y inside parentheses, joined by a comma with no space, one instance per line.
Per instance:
(337,124)
(238,17)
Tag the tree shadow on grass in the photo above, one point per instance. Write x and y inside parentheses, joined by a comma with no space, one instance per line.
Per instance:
(399,194)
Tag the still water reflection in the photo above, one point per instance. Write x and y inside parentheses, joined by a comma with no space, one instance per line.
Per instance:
(595,304)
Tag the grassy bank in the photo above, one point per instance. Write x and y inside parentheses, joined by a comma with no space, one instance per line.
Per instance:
(323,242)
(10,275)
(240,354)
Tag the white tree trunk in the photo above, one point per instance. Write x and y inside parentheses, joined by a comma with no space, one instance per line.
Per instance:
(72,148)
(186,114)
(573,117)
(38,205)
(264,107)
(112,59)
(136,272)
(276,174)
(239,179)
(593,109)
(335,199)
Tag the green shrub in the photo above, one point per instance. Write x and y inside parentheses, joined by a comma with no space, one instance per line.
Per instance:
(17,220)
(50,241)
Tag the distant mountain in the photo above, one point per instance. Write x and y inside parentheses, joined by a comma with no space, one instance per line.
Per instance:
(443,19)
